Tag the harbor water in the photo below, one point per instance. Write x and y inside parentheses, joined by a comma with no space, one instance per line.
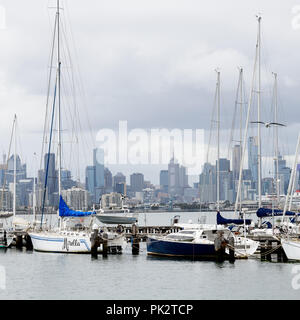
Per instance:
(33,275)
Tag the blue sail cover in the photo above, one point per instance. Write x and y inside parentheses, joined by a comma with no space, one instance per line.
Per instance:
(64,210)
(221,220)
(265,212)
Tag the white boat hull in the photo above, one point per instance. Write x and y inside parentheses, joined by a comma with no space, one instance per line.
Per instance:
(244,247)
(291,248)
(8,242)
(65,242)
(55,242)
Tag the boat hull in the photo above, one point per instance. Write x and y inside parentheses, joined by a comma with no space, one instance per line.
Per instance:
(62,243)
(115,219)
(6,243)
(180,249)
(291,248)
(51,242)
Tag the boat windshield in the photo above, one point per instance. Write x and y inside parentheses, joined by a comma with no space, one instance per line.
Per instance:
(180,237)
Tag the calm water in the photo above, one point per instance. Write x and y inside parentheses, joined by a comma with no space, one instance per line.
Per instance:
(33,275)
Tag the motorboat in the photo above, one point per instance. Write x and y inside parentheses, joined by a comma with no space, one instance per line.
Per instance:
(187,243)
(117,215)
(199,242)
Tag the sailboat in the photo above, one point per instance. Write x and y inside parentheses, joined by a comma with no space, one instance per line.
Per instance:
(6,231)
(73,234)
(290,240)
(244,247)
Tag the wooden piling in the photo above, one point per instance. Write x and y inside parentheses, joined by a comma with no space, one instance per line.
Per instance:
(135,240)
(105,247)
(95,243)
(19,241)
(28,242)
(231,249)
(268,248)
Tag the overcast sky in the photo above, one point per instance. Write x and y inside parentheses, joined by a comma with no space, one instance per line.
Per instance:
(148,62)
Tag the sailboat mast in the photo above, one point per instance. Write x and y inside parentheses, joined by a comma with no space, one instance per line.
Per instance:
(218,142)
(258,111)
(276,136)
(241,126)
(291,182)
(59,98)
(15,167)
(34,192)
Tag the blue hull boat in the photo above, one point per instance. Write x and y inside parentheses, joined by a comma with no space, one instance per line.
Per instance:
(180,249)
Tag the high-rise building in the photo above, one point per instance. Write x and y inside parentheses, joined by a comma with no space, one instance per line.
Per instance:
(236,161)
(108,181)
(118,178)
(76,198)
(177,178)
(284,174)
(253,159)
(20,170)
(164,180)
(98,162)
(208,184)
(137,182)
(90,181)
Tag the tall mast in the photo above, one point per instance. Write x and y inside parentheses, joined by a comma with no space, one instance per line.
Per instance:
(258,111)
(59,98)
(15,167)
(34,192)
(241,125)
(246,129)
(276,136)
(218,142)
(291,182)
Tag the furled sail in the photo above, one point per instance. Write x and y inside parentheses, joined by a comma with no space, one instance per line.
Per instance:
(65,211)
(221,220)
(265,212)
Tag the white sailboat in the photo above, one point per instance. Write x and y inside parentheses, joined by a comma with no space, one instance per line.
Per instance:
(73,234)
(6,230)
(244,247)
(290,241)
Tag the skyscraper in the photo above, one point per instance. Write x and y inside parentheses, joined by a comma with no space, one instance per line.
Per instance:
(137,182)
(236,161)
(164,180)
(98,162)
(90,181)
(253,159)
